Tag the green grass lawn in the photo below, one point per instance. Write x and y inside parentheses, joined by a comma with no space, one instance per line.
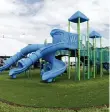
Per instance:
(62,93)
(7,108)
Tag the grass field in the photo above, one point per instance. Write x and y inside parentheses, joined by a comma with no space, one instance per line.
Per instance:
(62,93)
(7,108)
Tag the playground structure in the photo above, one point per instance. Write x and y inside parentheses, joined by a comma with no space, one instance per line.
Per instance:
(93,59)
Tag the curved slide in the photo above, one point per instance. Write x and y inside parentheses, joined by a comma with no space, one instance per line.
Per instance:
(48,53)
(58,67)
(28,49)
(61,40)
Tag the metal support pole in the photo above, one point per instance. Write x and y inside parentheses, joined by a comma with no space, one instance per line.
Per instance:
(29,73)
(78,30)
(75,66)
(84,62)
(88,70)
(84,70)
(45,41)
(69,54)
(69,76)
(101,73)
(84,57)
(89,63)
(40,60)
(94,54)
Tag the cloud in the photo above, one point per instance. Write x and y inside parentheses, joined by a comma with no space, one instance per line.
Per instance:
(31,21)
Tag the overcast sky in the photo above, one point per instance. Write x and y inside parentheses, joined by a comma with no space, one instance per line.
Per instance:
(31,21)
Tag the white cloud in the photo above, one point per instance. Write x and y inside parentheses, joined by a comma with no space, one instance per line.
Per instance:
(10,46)
(37,19)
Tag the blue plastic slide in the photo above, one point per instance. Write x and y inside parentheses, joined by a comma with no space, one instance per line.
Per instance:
(61,40)
(58,67)
(28,49)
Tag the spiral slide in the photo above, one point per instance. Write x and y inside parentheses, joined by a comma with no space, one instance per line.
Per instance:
(58,67)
